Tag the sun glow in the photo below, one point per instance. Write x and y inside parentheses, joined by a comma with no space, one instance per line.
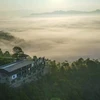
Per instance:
(57,1)
(57,4)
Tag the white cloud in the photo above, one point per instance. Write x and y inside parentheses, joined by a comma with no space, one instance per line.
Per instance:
(59,38)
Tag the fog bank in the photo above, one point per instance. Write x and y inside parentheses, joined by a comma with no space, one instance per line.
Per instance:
(60,38)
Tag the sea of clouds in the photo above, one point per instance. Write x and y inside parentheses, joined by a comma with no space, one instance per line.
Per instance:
(60,38)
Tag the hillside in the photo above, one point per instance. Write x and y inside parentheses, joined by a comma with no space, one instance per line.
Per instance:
(6,36)
(79,80)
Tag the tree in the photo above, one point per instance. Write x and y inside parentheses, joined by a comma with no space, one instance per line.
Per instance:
(7,54)
(19,54)
(65,64)
(55,99)
(34,58)
(17,50)
(1,53)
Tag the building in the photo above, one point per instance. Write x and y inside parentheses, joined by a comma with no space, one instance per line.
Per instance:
(20,72)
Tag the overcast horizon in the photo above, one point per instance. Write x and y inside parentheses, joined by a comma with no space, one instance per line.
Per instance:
(49,5)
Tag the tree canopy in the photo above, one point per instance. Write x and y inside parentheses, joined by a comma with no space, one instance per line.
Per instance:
(78,80)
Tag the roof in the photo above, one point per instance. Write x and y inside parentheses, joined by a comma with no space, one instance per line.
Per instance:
(16,65)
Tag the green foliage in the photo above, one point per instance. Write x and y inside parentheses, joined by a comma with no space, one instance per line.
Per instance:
(79,80)
(34,58)
(7,54)
(17,50)
(1,53)
(19,54)
(5,58)
(55,99)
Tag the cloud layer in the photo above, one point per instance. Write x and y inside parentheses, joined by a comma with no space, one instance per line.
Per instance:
(60,38)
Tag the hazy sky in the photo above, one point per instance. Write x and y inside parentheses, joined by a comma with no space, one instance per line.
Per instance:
(49,5)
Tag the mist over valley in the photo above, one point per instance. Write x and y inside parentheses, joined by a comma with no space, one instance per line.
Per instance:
(57,37)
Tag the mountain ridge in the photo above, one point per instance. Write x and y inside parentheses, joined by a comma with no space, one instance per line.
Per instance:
(59,12)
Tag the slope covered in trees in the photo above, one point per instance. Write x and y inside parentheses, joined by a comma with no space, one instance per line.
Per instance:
(6,36)
(79,80)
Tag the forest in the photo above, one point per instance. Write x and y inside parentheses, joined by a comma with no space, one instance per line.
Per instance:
(78,80)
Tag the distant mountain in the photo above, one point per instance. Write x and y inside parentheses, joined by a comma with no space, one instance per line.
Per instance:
(61,12)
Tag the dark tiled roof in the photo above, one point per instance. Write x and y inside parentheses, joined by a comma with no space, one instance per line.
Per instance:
(16,65)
